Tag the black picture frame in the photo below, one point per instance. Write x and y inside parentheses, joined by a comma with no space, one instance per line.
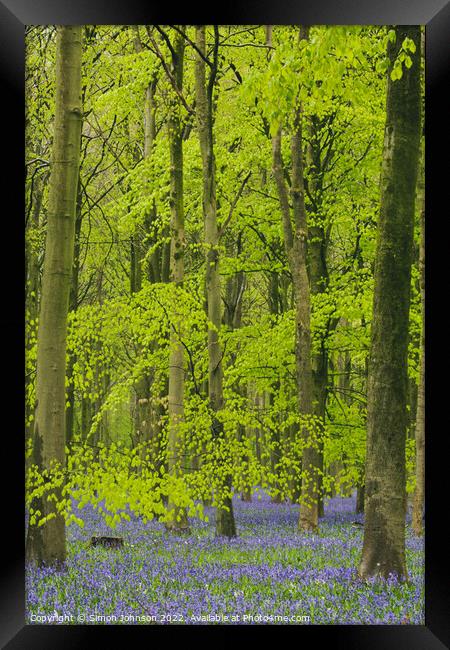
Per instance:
(435,14)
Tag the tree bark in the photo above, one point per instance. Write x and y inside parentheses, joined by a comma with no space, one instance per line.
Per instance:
(179,521)
(359,499)
(232,318)
(295,240)
(318,276)
(385,495)
(47,544)
(295,243)
(419,494)
(225,524)
(147,408)
(32,298)
(73,305)
(276,447)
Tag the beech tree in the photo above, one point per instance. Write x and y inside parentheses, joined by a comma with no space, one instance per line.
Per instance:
(419,493)
(46,544)
(385,496)
(205,117)
(295,239)
(177,245)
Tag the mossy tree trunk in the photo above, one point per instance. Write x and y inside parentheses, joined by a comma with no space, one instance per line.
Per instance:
(47,544)
(385,494)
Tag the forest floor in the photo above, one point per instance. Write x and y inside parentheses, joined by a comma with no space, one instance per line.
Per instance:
(269,571)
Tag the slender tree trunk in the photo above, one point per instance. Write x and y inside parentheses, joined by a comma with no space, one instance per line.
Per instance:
(47,544)
(319,279)
(413,391)
(275,442)
(73,305)
(361,489)
(318,276)
(148,408)
(232,318)
(33,288)
(179,520)
(295,243)
(100,380)
(360,499)
(295,240)
(320,380)
(385,498)
(255,431)
(310,461)
(86,417)
(204,99)
(295,478)
(246,493)
(419,494)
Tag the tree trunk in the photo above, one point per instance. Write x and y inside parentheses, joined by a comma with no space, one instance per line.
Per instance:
(204,100)
(318,277)
(276,447)
(295,243)
(147,408)
(33,288)
(73,305)
(360,499)
(179,521)
(310,459)
(86,417)
(295,240)
(275,450)
(47,544)
(246,492)
(232,318)
(419,495)
(295,478)
(385,498)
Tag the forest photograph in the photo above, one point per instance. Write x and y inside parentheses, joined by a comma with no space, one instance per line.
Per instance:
(224,324)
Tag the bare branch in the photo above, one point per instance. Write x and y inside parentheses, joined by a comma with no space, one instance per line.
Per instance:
(233,205)
(168,72)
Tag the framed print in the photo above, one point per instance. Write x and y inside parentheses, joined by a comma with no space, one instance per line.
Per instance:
(230,267)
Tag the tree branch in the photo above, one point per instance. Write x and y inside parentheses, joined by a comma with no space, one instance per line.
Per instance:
(233,205)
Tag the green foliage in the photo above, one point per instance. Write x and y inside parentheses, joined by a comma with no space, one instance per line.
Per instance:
(118,341)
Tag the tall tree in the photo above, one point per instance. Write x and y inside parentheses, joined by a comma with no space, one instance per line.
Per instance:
(177,245)
(318,240)
(147,410)
(419,494)
(385,495)
(225,524)
(47,544)
(33,288)
(295,241)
